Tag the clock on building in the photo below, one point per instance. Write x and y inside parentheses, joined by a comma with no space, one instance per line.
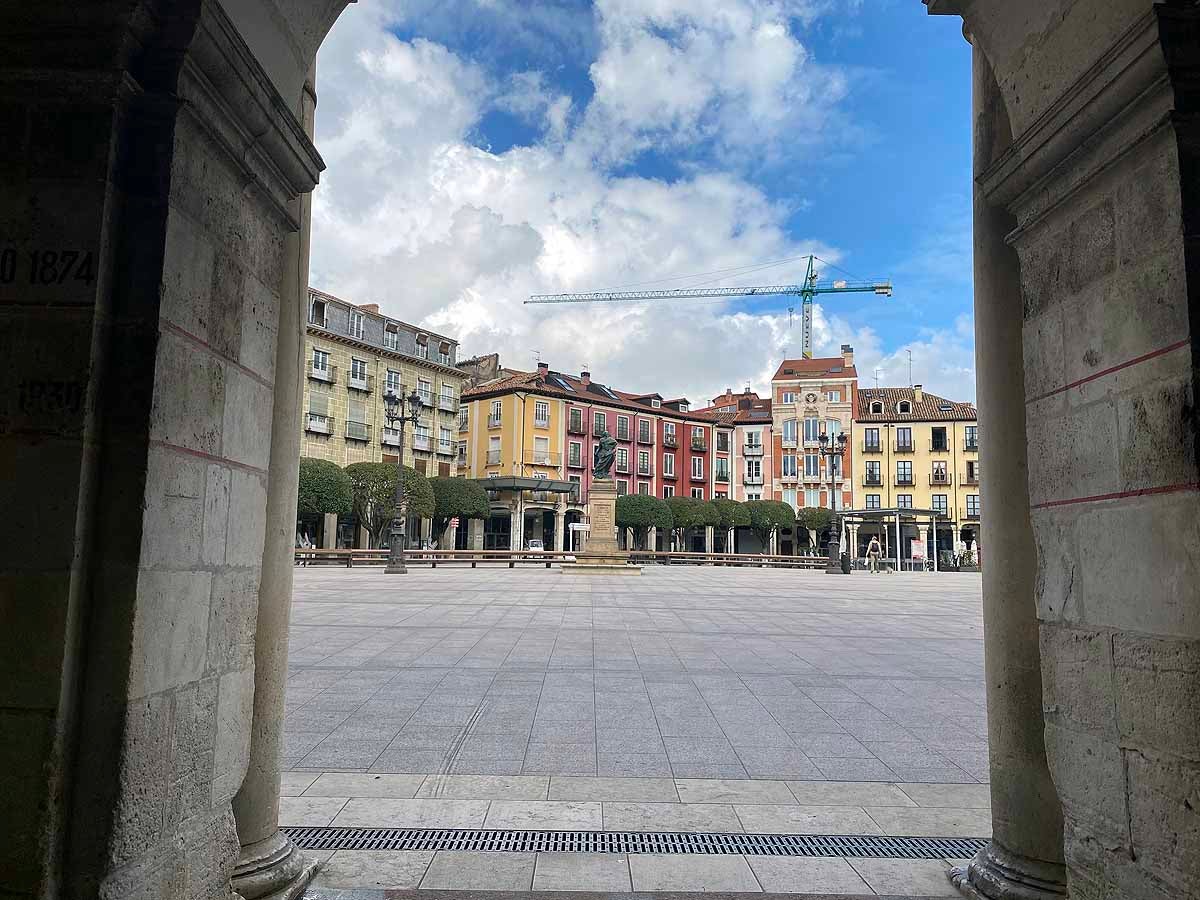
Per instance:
(810,398)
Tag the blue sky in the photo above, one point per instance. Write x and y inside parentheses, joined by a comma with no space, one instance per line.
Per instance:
(485,149)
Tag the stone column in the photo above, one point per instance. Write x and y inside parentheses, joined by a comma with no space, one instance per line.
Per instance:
(329,531)
(560,529)
(853,542)
(652,538)
(1024,859)
(451,541)
(515,521)
(923,534)
(475,529)
(709,534)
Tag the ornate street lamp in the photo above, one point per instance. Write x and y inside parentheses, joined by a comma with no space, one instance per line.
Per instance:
(398,411)
(831,451)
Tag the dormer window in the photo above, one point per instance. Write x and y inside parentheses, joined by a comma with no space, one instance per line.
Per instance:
(391,336)
(655,402)
(877,408)
(904,407)
(683,407)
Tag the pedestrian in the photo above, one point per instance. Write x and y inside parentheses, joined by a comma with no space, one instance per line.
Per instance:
(874,551)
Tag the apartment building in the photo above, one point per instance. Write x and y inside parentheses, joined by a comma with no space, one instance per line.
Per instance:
(915,450)
(532,435)
(751,442)
(354,356)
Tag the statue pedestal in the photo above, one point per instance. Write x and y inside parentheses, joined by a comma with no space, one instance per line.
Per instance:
(600,555)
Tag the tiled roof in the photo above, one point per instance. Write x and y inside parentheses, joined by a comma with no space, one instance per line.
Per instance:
(815,368)
(931,407)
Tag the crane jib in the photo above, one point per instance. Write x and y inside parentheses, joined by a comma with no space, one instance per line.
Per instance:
(877,287)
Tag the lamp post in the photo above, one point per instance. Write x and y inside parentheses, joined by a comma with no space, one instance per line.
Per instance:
(398,411)
(831,451)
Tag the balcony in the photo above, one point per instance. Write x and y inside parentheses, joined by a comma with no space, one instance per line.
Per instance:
(872,481)
(447,404)
(939,447)
(426,397)
(791,442)
(360,382)
(328,374)
(445,448)
(575,427)
(493,421)
(872,447)
(939,478)
(319,424)
(645,437)
(669,440)
(752,449)
(752,480)
(814,478)
(722,478)
(698,477)
(493,457)
(970,478)
(575,462)
(540,423)
(904,481)
(543,458)
(669,475)
(902,447)
(422,442)
(358,431)
(699,444)
(390,437)
(970,446)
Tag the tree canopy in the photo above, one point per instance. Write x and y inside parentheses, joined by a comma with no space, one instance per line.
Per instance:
(768,516)
(642,512)
(814,518)
(732,513)
(373,487)
(324,488)
(457,497)
(689,512)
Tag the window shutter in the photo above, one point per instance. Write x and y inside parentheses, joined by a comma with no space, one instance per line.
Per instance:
(318,403)
(357,411)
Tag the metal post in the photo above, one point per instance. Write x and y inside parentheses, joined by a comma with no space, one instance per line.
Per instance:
(396,416)
(899,545)
(934,543)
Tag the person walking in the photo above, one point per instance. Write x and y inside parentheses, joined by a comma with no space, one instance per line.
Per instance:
(874,551)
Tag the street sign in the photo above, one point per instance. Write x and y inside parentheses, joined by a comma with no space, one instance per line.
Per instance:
(454,522)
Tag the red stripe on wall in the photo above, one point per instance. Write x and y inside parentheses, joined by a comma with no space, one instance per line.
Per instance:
(208,457)
(1121,495)
(1125,365)
(200,342)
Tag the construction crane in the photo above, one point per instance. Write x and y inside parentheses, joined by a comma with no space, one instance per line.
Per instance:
(806,291)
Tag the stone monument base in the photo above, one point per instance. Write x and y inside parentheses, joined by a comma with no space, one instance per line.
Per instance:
(600,555)
(601,564)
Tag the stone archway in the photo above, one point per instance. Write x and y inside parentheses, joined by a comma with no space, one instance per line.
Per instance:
(157,168)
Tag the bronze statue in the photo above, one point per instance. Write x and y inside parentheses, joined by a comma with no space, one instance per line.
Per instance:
(603,455)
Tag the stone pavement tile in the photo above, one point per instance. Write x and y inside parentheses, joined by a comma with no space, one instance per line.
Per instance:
(292,784)
(688,872)
(369,729)
(485,787)
(947,774)
(777,762)
(619,738)
(845,769)
(567,787)
(427,737)
(566,711)
(582,872)
(692,817)
(906,877)
(849,793)
(833,745)
(344,784)
(493,746)
(418,762)
(732,790)
(616,763)
(701,750)
(962,796)
(387,869)
(798,874)
(309,811)
(932,821)
(467,870)
(298,743)
(545,815)
(708,770)
(877,731)
(560,759)
(763,819)
(385,813)
(555,732)
(437,714)
(342,754)
(475,765)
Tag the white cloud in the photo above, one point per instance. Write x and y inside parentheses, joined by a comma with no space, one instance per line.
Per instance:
(411,214)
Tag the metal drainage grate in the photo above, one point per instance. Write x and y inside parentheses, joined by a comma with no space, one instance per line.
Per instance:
(855,845)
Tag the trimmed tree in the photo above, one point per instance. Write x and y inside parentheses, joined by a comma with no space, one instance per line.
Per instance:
(324,488)
(689,513)
(767,517)
(814,520)
(457,498)
(641,512)
(373,487)
(733,515)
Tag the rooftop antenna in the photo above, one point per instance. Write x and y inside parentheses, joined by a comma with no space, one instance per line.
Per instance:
(537,356)
(877,371)
(910,384)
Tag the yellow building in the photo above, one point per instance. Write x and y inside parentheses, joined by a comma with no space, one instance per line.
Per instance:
(914,450)
(354,356)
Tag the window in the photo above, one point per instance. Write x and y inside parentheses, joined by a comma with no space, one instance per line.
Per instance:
(939,504)
(904,471)
(904,439)
(812,497)
(444,356)
(669,430)
(835,466)
(447,396)
(316,312)
(425,391)
(721,468)
(391,337)
(494,418)
(972,506)
(939,442)
(356,324)
(358,370)
(575,421)
(904,501)
(493,456)
(789,431)
(812,430)
(575,453)
(320,360)
(787,397)
(874,474)
(877,407)
(721,495)
(971,437)
(904,407)
(939,473)
(541,450)
(462,452)
(643,462)
(422,437)
(622,486)
(698,493)
(392,382)
(668,463)
(833,427)
(541,413)
(683,407)
(643,431)
(754,468)
(622,428)
(833,396)
(423,347)
(789,465)
(599,424)
(463,418)
(812,465)
(754,496)
(753,438)
(444,442)
(697,466)
(622,459)
(644,488)
(668,491)
(973,471)
(356,413)
(871,439)
(723,441)
(872,501)
(789,497)
(655,403)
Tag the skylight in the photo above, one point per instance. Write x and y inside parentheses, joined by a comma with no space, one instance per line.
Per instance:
(562,382)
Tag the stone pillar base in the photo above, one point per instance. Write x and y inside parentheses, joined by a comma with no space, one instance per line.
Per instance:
(999,874)
(273,869)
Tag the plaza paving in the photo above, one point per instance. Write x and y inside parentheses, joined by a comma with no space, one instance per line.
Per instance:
(689,699)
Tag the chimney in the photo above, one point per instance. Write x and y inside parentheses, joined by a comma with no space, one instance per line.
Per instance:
(847,355)
(918,394)
(543,370)
(586,378)
(369,307)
